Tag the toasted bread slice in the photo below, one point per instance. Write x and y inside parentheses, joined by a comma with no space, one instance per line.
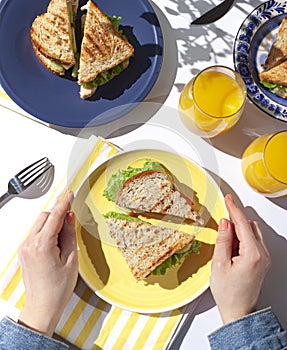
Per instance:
(153,191)
(51,35)
(145,246)
(278,51)
(276,75)
(102,46)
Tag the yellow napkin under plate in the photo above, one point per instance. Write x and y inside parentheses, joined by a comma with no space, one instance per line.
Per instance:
(88,322)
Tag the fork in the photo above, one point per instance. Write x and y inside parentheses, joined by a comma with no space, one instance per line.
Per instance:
(31,182)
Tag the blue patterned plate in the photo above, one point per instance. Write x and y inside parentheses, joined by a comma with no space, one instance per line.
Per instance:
(252,44)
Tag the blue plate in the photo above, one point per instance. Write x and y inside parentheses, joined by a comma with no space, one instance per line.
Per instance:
(252,44)
(55,99)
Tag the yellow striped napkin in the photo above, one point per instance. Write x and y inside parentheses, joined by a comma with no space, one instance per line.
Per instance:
(89,322)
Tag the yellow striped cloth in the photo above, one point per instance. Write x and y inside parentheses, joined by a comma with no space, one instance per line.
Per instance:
(89,322)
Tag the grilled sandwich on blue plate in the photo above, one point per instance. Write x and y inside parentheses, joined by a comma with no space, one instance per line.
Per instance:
(53,36)
(105,52)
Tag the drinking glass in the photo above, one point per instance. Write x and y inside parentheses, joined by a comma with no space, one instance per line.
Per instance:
(264,164)
(213,101)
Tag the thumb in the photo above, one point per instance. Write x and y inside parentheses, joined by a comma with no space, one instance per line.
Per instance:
(67,237)
(224,242)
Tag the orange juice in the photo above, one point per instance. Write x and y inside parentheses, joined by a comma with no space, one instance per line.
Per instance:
(213,101)
(264,164)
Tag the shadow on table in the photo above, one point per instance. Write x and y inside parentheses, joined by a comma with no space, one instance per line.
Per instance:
(274,288)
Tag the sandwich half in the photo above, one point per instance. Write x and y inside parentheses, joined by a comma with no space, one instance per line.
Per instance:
(275,79)
(53,36)
(274,76)
(149,248)
(278,50)
(150,189)
(105,52)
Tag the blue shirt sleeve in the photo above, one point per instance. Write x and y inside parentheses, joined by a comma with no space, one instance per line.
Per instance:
(14,337)
(257,331)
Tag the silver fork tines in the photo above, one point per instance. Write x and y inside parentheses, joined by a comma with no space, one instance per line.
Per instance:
(32,172)
(31,182)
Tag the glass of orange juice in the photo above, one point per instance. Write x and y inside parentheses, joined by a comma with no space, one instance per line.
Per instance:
(264,164)
(213,101)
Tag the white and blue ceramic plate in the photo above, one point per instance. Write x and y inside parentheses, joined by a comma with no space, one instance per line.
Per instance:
(252,44)
(55,99)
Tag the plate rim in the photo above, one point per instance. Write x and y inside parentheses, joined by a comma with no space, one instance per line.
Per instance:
(243,40)
(146,310)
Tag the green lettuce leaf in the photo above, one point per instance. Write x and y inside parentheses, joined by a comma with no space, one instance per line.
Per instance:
(120,216)
(116,181)
(273,87)
(177,258)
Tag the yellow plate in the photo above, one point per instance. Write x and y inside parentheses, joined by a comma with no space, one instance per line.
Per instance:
(103,267)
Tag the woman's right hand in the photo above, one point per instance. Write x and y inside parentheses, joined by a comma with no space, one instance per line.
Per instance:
(49,262)
(240,263)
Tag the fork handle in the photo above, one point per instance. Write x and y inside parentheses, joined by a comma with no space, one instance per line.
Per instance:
(5,198)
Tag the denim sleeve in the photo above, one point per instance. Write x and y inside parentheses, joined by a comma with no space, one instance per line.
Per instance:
(14,337)
(257,331)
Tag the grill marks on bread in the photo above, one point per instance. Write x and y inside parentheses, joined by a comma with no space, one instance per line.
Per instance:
(152,191)
(102,46)
(145,246)
(51,34)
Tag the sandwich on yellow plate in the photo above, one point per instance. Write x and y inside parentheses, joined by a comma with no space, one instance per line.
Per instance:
(149,249)
(105,52)
(274,76)
(149,191)
(53,36)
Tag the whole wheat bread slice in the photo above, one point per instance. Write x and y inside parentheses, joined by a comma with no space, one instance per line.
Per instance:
(153,191)
(276,75)
(145,246)
(51,35)
(278,51)
(102,46)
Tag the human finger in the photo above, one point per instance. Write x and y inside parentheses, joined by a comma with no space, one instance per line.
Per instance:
(224,242)
(67,237)
(242,226)
(57,216)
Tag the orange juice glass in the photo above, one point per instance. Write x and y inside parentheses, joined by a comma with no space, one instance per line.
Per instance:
(264,164)
(213,101)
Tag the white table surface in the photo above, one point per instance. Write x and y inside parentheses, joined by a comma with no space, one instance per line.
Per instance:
(186,51)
